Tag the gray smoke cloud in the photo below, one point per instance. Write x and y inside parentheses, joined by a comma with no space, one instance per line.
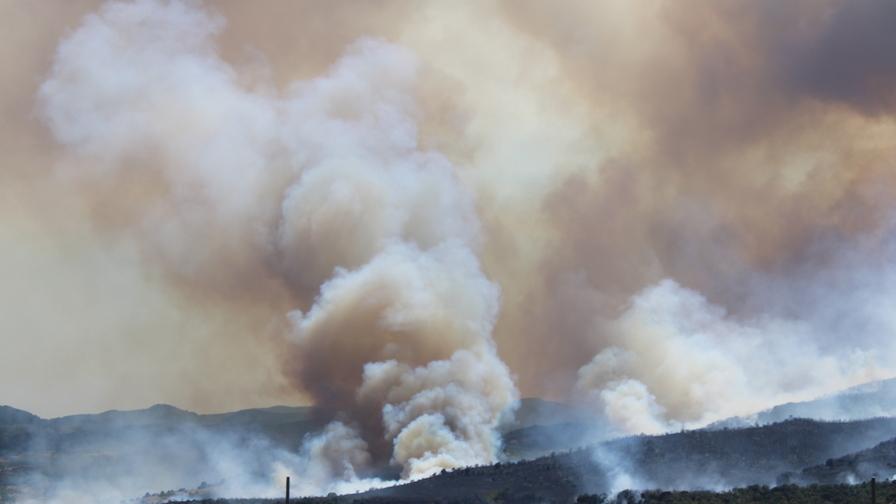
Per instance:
(677,361)
(326,187)
(674,214)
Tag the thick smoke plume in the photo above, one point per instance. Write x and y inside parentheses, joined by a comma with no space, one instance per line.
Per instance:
(672,212)
(324,185)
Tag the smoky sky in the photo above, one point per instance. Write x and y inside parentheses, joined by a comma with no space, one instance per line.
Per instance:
(671,212)
(850,60)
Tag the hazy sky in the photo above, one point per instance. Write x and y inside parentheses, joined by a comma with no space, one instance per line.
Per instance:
(673,211)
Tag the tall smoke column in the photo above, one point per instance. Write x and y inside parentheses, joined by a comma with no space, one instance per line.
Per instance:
(671,194)
(324,187)
(417,324)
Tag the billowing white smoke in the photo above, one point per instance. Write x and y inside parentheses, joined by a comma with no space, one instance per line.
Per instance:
(329,460)
(675,360)
(325,186)
(417,323)
(138,88)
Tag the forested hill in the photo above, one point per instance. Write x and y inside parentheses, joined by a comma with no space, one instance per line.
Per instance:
(876,462)
(679,461)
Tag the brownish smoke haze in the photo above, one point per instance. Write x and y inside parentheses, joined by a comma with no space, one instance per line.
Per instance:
(208,338)
(608,146)
(738,167)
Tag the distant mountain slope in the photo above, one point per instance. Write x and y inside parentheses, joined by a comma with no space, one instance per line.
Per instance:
(685,460)
(541,427)
(876,462)
(163,446)
(534,411)
(690,459)
(870,400)
(18,429)
(555,426)
(11,416)
(284,425)
(159,414)
(539,440)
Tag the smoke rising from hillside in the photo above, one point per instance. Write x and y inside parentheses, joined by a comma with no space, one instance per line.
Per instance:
(672,213)
(324,186)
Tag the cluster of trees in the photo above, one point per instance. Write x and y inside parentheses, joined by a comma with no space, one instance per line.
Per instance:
(756,494)
(710,458)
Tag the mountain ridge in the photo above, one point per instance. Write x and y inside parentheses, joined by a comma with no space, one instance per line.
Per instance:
(867,400)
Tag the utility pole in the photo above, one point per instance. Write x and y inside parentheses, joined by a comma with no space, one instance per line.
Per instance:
(287,490)
(873,491)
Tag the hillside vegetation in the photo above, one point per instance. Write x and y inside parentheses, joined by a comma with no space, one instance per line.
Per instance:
(793,451)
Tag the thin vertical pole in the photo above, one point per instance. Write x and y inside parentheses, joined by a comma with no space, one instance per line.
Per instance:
(287,490)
